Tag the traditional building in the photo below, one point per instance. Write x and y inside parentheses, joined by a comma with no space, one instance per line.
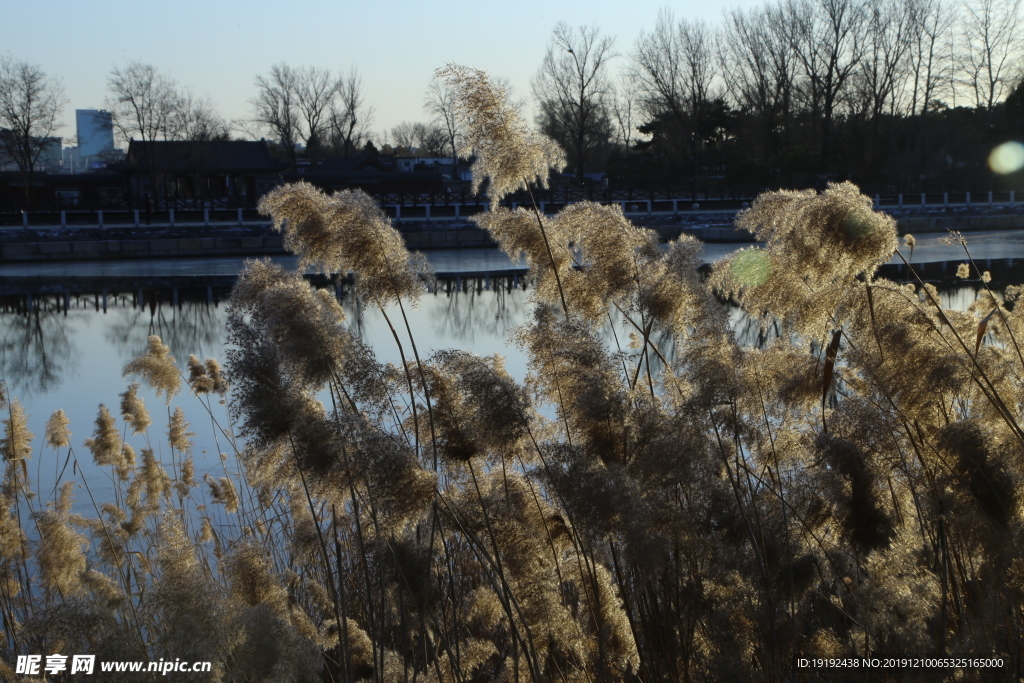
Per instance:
(201,173)
(368,173)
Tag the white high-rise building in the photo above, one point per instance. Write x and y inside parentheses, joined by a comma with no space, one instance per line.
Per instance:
(95,137)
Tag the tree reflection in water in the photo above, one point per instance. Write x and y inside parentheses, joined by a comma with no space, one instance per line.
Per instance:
(492,313)
(36,351)
(192,327)
(41,351)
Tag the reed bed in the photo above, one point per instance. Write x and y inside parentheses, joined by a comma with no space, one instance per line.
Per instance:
(675,506)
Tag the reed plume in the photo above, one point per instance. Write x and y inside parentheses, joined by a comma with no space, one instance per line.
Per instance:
(508,153)
(695,503)
(57,434)
(156,367)
(345,233)
(17,441)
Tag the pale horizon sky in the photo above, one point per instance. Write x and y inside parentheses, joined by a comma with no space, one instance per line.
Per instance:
(218,48)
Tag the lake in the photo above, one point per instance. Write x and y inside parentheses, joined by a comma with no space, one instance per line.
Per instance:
(71,357)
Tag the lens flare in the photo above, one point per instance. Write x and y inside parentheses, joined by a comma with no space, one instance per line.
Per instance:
(751,267)
(1007,158)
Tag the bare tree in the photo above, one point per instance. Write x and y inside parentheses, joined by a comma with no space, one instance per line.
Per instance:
(30,103)
(929,58)
(573,90)
(350,118)
(759,67)
(429,140)
(990,48)
(440,101)
(198,120)
(674,67)
(144,103)
(433,140)
(878,85)
(826,36)
(405,135)
(275,107)
(625,109)
(315,92)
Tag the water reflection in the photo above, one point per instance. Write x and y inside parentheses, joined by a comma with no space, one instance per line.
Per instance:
(42,344)
(36,350)
(469,315)
(189,328)
(69,352)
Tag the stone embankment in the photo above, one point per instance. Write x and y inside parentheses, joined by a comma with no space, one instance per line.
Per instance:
(91,244)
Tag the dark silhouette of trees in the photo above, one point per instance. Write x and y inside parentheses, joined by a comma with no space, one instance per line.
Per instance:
(574,92)
(440,101)
(311,106)
(30,104)
(675,67)
(430,140)
(350,117)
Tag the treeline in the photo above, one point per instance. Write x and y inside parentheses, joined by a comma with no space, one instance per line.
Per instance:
(908,94)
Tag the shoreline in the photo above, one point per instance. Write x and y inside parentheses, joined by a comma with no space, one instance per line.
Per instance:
(45,244)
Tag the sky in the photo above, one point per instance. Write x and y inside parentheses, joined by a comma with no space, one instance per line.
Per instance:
(218,48)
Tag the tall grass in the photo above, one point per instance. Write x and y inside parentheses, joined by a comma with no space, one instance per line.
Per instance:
(684,508)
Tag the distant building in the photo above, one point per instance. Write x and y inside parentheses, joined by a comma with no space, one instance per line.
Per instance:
(95,138)
(200,171)
(407,164)
(367,173)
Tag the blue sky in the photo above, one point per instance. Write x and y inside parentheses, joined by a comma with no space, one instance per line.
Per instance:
(218,48)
